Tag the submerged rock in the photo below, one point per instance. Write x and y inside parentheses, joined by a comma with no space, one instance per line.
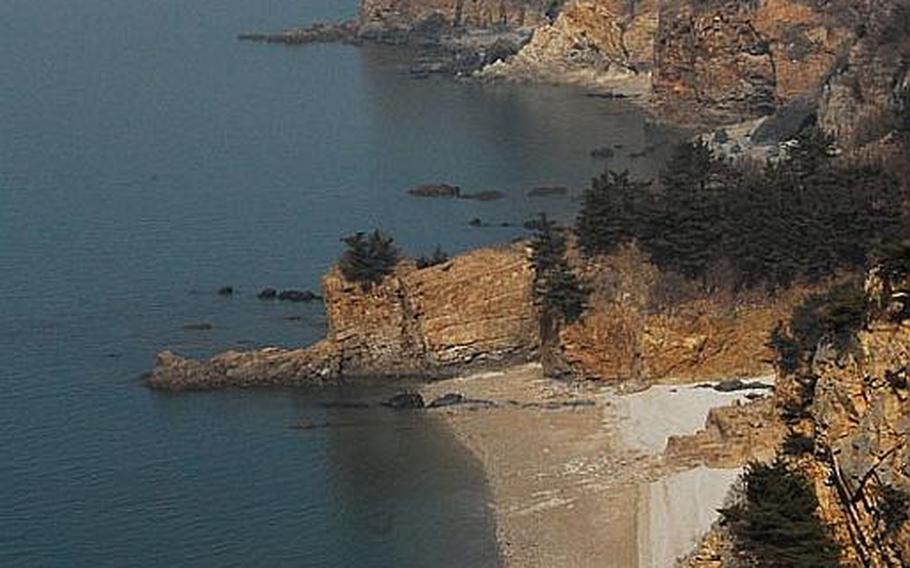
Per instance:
(267,294)
(603,153)
(225,290)
(491,195)
(405,401)
(548,191)
(198,326)
(435,190)
(298,296)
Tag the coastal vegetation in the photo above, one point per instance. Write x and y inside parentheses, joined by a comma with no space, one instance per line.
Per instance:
(804,217)
(368,258)
(439,256)
(556,287)
(774,523)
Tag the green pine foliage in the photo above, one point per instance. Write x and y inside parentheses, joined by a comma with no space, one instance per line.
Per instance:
(803,217)
(775,524)
(368,258)
(555,285)
(895,508)
(439,256)
(834,316)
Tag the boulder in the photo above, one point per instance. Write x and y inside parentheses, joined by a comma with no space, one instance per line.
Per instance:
(448,399)
(225,290)
(405,401)
(298,296)
(267,294)
(435,190)
(491,195)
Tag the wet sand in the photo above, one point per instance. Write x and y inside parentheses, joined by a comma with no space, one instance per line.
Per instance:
(569,485)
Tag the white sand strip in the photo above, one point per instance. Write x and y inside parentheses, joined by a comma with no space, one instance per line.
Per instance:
(676,511)
(650,417)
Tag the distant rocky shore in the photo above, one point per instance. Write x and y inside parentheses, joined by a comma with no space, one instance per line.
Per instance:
(844,65)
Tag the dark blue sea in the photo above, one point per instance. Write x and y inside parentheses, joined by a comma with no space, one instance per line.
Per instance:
(147,158)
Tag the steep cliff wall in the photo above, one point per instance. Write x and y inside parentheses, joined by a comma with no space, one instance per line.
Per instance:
(590,40)
(474,311)
(729,60)
(633,330)
(379,17)
(709,61)
(855,406)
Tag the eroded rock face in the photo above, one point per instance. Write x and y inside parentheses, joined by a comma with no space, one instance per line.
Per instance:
(589,39)
(474,311)
(629,332)
(855,407)
(867,97)
(384,17)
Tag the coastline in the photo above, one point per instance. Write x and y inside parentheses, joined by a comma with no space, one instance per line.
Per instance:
(567,486)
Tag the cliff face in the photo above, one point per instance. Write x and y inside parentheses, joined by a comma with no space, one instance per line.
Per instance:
(732,60)
(859,418)
(380,17)
(633,330)
(589,40)
(474,311)
(867,96)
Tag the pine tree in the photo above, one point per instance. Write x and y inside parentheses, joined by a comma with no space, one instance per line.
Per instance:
(612,212)
(555,285)
(368,258)
(776,525)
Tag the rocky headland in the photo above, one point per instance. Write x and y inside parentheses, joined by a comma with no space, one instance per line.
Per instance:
(478,311)
(771,65)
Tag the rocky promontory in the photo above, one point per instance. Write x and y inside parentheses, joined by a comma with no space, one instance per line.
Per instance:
(475,311)
(479,311)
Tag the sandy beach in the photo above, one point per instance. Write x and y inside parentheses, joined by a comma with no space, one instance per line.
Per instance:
(577,472)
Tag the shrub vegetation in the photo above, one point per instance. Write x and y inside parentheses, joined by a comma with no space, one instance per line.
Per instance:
(804,216)
(774,524)
(555,285)
(368,258)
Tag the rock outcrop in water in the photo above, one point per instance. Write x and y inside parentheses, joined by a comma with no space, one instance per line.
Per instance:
(478,311)
(474,311)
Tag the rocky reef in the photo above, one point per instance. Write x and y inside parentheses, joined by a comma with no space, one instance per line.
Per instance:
(474,311)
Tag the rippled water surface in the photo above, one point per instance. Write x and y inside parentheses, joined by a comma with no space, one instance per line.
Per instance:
(146,159)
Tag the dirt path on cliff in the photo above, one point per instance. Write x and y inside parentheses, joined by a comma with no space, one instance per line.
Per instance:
(568,488)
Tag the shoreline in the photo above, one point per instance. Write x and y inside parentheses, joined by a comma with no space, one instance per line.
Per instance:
(567,486)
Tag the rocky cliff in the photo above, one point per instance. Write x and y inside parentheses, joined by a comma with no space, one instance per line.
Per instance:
(645,326)
(474,311)
(590,42)
(853,402)
(708,62)
(383,18)
(845,413)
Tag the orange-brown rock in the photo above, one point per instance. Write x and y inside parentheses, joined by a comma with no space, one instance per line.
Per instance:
(631,332)
(589,40)
(379,17)
(855,405)
(474,311)
(732,436)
